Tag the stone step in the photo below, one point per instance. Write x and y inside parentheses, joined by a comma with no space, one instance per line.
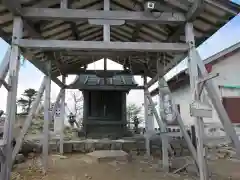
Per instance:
(109,155)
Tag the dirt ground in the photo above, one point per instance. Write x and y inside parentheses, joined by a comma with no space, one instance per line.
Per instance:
(80,167)
(226,168)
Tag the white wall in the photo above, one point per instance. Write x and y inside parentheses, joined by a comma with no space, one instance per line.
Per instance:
(229,74)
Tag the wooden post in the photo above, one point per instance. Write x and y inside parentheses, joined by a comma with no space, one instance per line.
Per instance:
(12,98)
(124,111)
(62,117)
(47,118)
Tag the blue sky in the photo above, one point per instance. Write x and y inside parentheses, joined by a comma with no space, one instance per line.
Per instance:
(30,77)
(236,1)
(223,38)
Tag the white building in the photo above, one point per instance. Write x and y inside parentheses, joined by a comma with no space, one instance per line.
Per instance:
(227,64)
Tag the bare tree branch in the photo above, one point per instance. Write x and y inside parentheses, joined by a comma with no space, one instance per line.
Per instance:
(78,104)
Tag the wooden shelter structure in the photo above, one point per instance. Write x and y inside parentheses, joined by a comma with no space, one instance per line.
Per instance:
(61,37)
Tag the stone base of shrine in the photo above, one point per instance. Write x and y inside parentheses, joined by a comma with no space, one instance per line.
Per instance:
(90,145)
(133,145)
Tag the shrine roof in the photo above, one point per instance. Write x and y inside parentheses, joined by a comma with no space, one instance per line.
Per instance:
(95,82)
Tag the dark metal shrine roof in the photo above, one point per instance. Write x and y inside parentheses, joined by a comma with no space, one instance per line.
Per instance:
(207,19)
(94,82)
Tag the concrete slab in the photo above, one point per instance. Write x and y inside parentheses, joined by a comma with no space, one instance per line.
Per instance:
(109,155)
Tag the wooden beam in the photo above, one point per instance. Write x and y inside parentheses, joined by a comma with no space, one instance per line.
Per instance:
(80,14)
(140,7)
(190,16)
(176,59)
(73,24)
(194,10)
(87,87)
(102,46)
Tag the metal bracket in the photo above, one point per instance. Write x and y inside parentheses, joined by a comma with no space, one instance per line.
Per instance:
(197,108)
(210,76)
(202,81)
(5,84)
(150,5)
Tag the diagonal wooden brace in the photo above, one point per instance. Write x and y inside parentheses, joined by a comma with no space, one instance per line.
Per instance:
(216,101)
(28,121)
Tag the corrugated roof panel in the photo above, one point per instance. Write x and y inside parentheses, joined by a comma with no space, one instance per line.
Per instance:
(204,26)
(153,33)
(64,35)
(84,26)
(89,4)
(126,28)
(217,11)
(147,37)
(7,28)
(50,24)
(44,3)
(119,5)
(210,18)
(125,32)
(29,1)
(90,30)
(94,7)
(3,9)
(198,34)
(158,29)
(118,36)
(6,17)
(98,32)
(56,30)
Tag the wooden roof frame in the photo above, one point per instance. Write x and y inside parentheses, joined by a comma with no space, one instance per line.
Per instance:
(165,30)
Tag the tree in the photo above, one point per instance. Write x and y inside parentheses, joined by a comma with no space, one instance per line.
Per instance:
(40,110)
(77,99)
(133,112)
(26,101)
(78,107)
